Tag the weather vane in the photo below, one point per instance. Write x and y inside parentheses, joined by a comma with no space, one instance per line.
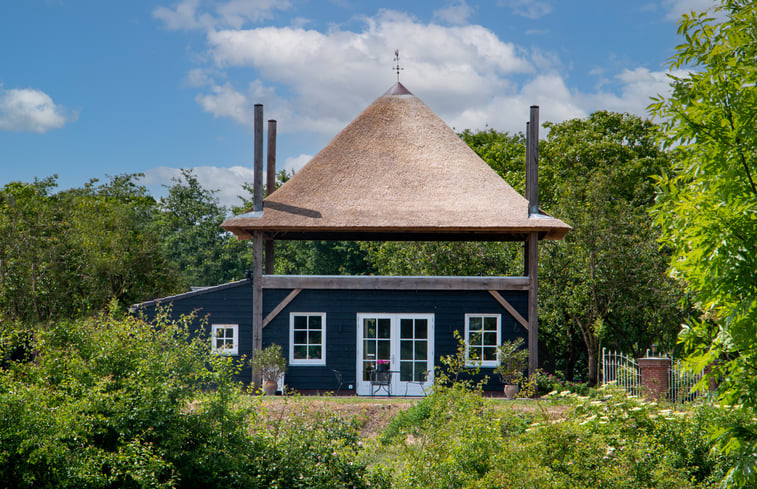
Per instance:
(397,66)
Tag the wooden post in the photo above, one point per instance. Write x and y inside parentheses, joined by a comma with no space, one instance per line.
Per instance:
(533,313)
(270,187)
(533,162)
(257,243)
(532,256)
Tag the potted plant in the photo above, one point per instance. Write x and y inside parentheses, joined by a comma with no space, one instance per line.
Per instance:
(513,360)
(270,364)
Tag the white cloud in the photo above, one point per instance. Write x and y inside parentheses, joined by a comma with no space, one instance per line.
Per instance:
(531,9)
(454,13)
(30,110)
(635,88)
(208,14)
(331,76)
(225,101)
(227,181)
(676,8)
(316,82)
(295,163)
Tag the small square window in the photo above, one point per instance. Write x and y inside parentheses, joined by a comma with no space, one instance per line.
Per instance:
(224,339)
(307,338)
(482,337)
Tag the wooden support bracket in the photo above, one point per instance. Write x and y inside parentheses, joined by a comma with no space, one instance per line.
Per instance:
(276,310)
(509,308)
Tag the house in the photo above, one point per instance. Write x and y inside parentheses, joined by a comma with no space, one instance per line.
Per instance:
(397,172)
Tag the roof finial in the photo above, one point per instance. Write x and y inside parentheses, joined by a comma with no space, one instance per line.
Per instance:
(397,66)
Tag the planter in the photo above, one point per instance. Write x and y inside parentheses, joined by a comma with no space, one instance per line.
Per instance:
(511,390)
(269,387)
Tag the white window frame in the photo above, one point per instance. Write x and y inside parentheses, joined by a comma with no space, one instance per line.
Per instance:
(307,361)
(234,350)
(481,363)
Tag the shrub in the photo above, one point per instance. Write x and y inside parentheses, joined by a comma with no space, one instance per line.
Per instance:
(118,403)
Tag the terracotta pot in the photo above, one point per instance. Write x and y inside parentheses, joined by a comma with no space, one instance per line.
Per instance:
(511,390)
(269,387)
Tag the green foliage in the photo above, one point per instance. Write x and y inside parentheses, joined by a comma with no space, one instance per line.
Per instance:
(269,363)
(192,239)
(456,438)
(116,402)
(513,360)
(68,254)
(606,282)
(707,204)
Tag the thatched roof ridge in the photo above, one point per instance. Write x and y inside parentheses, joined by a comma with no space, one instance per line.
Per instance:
(396,169)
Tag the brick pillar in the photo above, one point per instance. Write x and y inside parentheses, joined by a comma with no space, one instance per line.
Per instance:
(654,376)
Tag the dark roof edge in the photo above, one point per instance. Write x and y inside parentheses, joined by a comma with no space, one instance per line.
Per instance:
(192,293)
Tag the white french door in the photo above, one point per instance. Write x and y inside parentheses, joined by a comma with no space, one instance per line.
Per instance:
(400,343)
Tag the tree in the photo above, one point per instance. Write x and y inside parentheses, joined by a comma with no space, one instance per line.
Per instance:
(607,280)
(192,238)
(708,202)
(68,254)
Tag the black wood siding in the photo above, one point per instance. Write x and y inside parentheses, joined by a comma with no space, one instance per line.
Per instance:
(232,304)
(342,306)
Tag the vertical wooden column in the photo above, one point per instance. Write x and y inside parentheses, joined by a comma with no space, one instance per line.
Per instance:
(533,312)
(270,187)
(257,241)
(533,162)
(532,256)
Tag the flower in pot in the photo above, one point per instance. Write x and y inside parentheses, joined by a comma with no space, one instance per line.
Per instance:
(270,364)
(383,365)
(513,360)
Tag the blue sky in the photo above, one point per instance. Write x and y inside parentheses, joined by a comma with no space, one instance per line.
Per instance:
(89,88)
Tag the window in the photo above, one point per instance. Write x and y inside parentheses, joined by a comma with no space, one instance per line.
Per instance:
(225,339)
(307,338)
(482,336)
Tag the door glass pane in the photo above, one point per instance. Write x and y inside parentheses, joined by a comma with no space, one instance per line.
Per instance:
(384,349)
(384,328)
(421,328)
(406,350)
(406,371)
(406,328)
(421,348)
(369,349)
(368,367)
(420,372)
(369,328)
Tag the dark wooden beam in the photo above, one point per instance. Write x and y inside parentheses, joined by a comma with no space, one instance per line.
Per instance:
(374,282)
(257,241)
(509,308)
(533,162)
(270,187)
(533,314)
(276,310)
(466,235)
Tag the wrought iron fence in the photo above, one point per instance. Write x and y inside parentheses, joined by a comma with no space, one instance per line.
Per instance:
(623,370)
(681,383)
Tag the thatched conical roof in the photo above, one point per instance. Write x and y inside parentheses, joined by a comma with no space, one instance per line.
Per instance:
(396,172)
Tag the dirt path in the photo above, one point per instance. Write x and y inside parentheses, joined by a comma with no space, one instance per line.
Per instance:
(373,414)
